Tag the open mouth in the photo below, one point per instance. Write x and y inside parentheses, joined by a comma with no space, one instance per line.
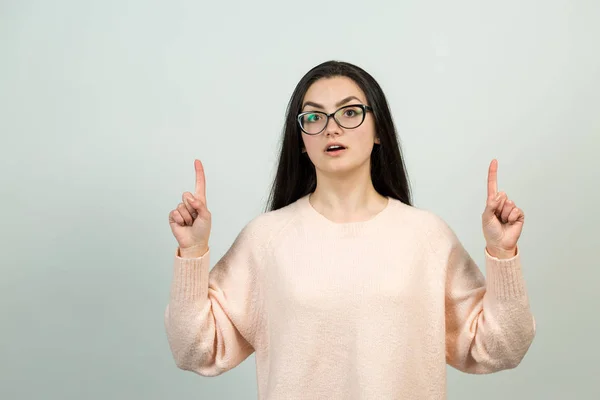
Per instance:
(334,148)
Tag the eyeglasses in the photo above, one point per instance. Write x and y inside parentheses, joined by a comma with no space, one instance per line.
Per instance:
(349,117)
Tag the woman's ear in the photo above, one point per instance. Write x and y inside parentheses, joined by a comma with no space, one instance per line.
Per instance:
(377,140)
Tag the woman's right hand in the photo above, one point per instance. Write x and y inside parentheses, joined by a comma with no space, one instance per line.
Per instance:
(191,221)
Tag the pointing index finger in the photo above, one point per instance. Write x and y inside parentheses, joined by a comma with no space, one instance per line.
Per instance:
(200,181)
(493,179)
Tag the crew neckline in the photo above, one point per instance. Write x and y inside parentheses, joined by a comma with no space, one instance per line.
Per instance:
(344,227)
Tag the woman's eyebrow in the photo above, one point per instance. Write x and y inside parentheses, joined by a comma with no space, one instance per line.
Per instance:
(338,104)
(347,99)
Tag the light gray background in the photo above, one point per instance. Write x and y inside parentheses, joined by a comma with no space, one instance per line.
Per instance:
(105,105)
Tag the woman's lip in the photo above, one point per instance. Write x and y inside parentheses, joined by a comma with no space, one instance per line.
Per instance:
(331,144)
(335,152)
(336,145)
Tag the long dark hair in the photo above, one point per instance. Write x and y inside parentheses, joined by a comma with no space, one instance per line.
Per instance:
(296,176)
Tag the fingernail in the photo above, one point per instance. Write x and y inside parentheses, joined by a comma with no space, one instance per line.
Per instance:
(190,199)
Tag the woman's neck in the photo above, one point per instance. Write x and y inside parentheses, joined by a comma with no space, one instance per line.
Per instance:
(347,199)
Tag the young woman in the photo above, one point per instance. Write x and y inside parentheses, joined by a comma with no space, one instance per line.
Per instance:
(343,288)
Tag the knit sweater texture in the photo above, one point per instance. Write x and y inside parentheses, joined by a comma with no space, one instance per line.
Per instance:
(362,310)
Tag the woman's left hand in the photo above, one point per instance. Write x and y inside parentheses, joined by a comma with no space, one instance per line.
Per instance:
(502,220)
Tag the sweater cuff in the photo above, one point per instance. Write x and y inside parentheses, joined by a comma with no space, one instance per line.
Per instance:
(190,278)
(505,276)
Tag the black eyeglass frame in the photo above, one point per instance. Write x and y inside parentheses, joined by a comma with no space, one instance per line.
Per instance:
(364,107)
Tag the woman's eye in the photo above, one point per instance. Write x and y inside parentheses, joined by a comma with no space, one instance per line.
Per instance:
(350,113)
(312,117)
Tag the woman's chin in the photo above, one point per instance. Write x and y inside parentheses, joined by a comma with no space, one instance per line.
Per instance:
(338,168)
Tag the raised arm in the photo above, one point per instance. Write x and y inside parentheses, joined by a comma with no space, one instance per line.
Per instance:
(211,318)
(489,324)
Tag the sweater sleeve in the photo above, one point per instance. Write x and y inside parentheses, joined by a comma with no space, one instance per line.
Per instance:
(489,325)
(212,316)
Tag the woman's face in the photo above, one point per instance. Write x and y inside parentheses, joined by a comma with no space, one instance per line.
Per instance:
(328,95)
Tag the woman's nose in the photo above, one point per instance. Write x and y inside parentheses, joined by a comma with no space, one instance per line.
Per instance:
(332,128)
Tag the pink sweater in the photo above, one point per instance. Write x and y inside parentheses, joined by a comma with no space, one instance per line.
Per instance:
(361,310)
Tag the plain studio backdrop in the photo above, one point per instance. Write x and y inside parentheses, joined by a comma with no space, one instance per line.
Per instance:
(105,105)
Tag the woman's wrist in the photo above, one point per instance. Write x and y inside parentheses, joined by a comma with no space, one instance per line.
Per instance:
(193,251)
(501,253)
